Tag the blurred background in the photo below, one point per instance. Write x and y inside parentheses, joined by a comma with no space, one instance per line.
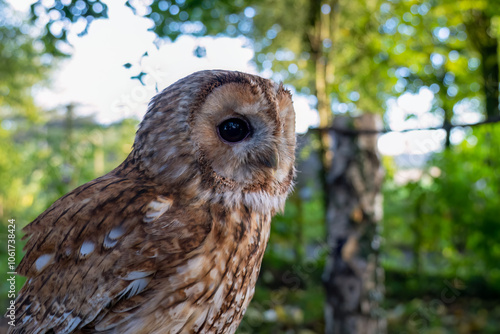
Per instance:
(394,225)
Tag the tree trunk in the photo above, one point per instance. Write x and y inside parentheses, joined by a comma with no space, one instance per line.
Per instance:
(353,277)
(321,29)
(489,55)
(68,171)
(486,43)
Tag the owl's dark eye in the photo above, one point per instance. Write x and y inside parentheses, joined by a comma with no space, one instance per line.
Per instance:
(233,130)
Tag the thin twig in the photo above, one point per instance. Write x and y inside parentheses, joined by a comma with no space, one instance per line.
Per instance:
(355,132)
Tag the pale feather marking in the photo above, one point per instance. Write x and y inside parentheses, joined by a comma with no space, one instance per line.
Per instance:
(43,261)
(87,248)
(111,238)
(135,287)
(133,275)
(157,208)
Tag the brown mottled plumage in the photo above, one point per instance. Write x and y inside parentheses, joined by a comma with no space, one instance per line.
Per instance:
(171,241)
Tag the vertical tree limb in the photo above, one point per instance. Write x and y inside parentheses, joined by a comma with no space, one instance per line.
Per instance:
(353,277)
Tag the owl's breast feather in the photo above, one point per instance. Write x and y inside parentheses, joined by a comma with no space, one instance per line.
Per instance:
(210,292)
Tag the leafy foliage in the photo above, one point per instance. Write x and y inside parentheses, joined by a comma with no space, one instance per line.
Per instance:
(445,226)
(58,17)
(22,65)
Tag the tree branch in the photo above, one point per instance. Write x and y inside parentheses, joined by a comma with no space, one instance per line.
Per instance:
(353,132)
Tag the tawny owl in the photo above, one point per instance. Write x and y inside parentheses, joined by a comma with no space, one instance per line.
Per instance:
(171,241)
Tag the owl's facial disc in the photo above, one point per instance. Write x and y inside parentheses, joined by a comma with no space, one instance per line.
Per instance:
(244,138)
(228,132)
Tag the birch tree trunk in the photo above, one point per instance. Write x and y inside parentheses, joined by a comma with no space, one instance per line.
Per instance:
(353,277)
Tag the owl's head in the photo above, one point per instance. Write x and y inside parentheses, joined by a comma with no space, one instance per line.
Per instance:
(229,136)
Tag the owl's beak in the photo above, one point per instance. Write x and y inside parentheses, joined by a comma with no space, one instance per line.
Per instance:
(271,160)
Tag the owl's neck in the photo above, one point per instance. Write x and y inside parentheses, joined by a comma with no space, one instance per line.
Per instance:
(259,201)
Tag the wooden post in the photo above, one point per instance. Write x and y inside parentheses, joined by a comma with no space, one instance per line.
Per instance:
(353,277)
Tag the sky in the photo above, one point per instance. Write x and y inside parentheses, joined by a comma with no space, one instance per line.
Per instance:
(95,79)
